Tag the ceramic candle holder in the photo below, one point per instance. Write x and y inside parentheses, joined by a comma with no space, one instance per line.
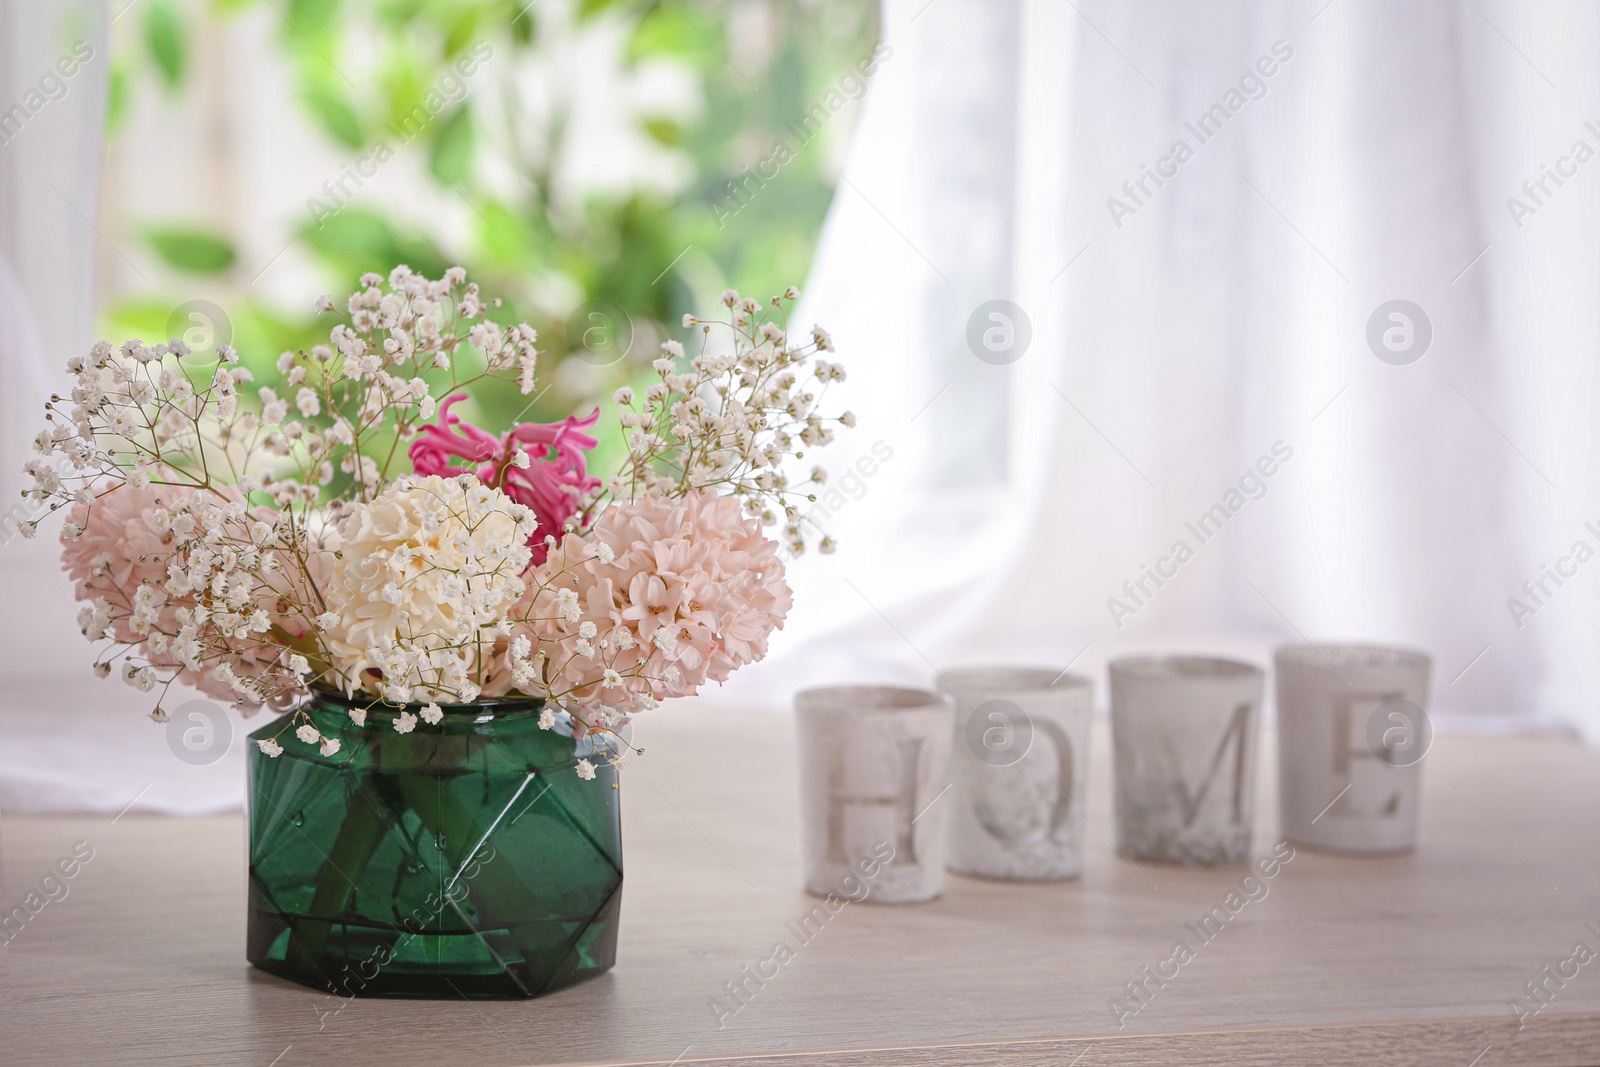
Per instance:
(1019,766)
(1352,731)
(874,761)
(1183,731)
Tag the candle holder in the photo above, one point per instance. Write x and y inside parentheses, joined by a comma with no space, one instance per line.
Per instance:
(1352,731)
(1019,768)
(1183,731)
(874,763)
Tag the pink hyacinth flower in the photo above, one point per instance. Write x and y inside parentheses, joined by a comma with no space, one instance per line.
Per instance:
(552,486)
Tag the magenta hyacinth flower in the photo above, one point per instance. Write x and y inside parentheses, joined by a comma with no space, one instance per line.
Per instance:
(552,484)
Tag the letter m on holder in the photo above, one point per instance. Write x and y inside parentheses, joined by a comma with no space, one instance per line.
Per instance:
(902,803)
(1234,739)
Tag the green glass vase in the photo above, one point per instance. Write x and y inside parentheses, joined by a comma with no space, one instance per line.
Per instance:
(462,859)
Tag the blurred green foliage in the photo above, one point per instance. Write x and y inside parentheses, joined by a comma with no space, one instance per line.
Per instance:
(593,269)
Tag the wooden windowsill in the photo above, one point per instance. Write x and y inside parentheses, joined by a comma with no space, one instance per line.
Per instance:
(1411,959)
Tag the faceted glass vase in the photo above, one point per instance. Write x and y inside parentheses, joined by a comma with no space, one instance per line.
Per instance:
(464,859)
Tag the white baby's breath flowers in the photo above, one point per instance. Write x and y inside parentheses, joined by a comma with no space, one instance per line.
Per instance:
(586,770)
(736,417)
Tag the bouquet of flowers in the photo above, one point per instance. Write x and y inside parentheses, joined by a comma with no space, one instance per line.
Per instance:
(346,529)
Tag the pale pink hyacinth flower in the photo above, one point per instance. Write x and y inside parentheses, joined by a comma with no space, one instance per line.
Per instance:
(553,483)
(691,585)
(122,547)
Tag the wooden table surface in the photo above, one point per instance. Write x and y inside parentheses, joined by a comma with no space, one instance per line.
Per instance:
(1404,960)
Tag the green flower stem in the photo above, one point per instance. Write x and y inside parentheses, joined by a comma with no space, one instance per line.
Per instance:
(359,836)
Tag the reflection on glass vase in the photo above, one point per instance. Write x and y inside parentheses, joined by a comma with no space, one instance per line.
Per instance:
(462,859)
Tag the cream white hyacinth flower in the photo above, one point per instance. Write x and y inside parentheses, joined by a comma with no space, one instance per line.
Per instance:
(425,573)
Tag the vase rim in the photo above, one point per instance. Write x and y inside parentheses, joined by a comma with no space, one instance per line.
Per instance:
(1008,678)
(1187,667)
(870,699)
(495,707)
(1353,656)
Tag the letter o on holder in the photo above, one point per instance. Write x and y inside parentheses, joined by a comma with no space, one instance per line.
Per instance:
(999,733)
(199,733)
(600,333)
(1399,332)
(999,332)
(1399,733)
(201,325)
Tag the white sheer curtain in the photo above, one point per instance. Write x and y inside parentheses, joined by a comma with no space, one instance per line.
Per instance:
(1356,153)
(68,741)
(50,134)
(49,151)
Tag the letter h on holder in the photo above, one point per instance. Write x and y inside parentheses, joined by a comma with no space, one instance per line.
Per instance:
(902,802)
(874,761)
